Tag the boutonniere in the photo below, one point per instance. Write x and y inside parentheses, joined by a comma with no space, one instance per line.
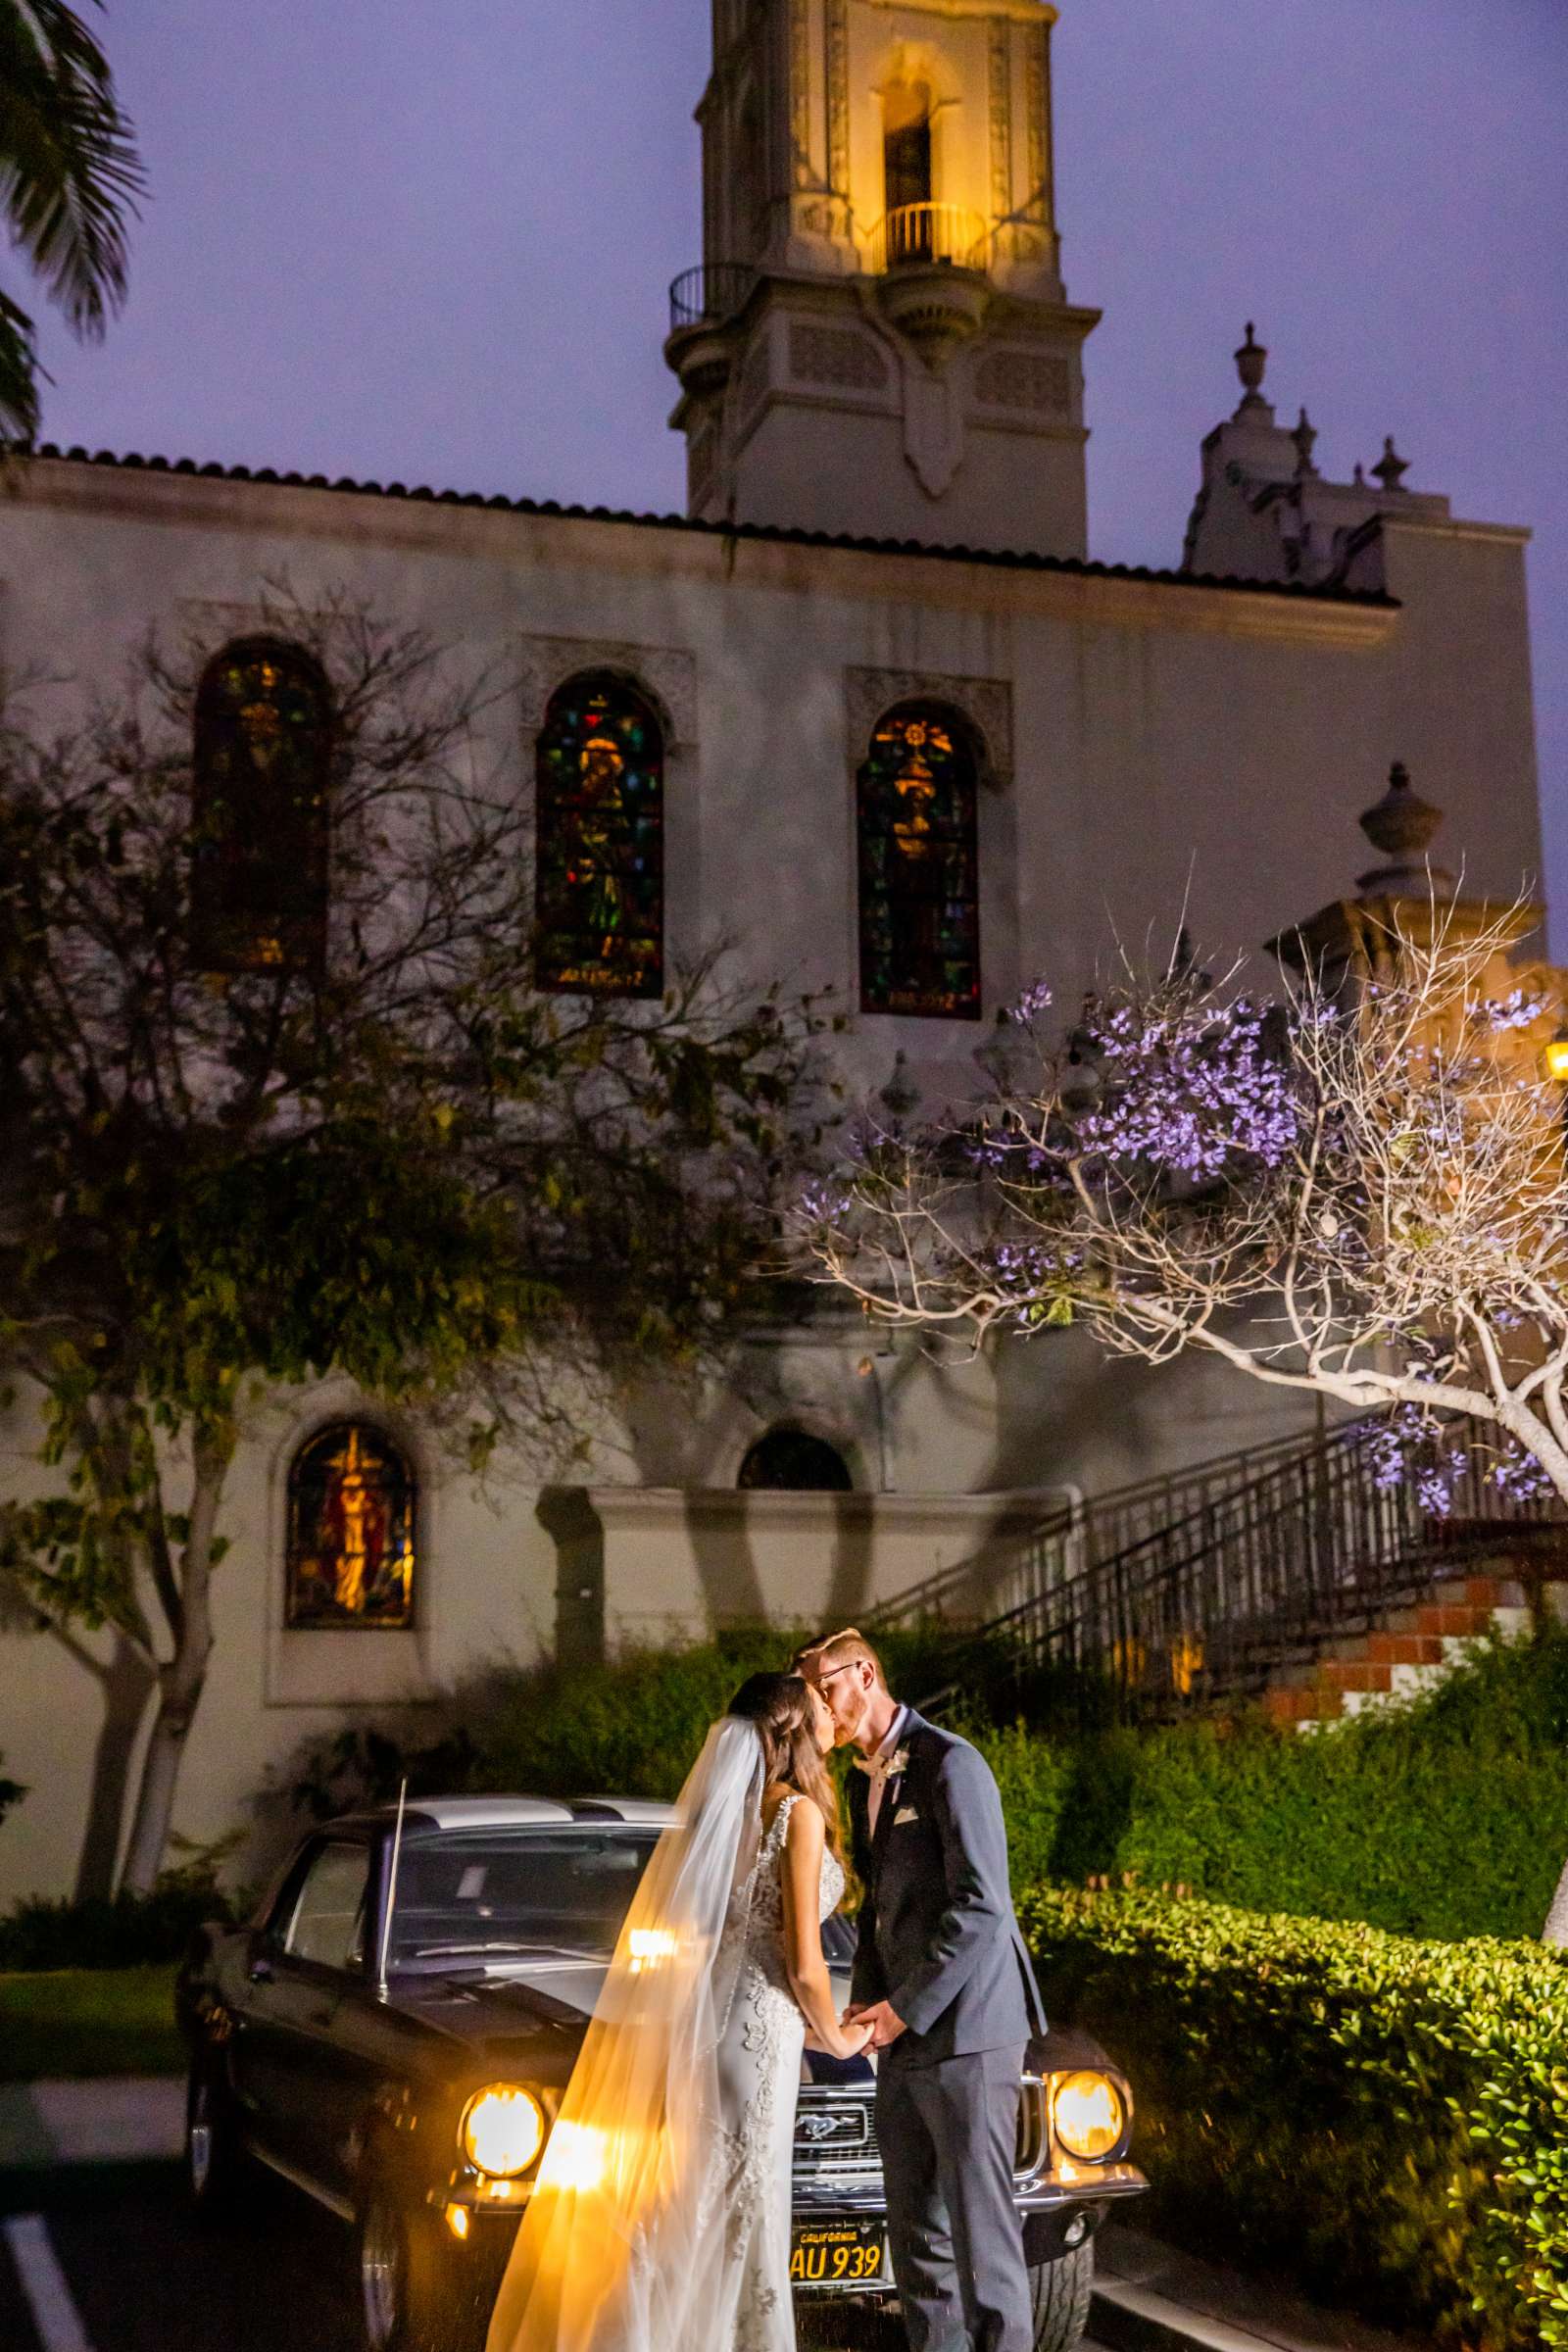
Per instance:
(898,1764)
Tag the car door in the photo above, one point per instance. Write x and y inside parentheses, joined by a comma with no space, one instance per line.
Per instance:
(302,1964)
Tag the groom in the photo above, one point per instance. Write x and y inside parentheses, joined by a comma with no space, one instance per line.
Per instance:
(943,1977)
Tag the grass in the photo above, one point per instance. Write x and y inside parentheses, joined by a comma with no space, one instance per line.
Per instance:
(79,2022)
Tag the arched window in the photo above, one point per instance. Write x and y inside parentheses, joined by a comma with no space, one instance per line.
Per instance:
(262,831)
(792,1461)
(906,170)
(600,841)
(351,1531)
(919,866)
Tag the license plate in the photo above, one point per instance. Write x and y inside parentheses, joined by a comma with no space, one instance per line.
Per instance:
(837,2254)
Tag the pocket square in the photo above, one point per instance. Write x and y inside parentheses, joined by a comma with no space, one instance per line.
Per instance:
(908,1814)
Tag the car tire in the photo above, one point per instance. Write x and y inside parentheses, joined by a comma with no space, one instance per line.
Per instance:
(1060,2294)
(410,2298)
(215,2152)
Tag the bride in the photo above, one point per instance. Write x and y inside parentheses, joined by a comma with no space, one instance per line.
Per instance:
(660,2218)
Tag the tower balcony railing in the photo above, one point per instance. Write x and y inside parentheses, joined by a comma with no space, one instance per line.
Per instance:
(707,296)
(917,234)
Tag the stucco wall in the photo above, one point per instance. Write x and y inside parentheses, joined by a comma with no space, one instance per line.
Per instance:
(1157,748)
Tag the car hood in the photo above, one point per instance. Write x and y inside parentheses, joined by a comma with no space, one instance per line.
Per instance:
(548,1999)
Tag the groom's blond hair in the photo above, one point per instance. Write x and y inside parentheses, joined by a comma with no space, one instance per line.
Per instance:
(848,1648)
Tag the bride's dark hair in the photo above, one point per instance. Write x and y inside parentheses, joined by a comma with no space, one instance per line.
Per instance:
(780,1707)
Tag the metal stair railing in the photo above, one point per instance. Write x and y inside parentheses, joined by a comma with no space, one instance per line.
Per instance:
(1261,1572)
(986,1583)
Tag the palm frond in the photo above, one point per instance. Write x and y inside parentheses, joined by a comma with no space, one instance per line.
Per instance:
(69,173)
(18,377)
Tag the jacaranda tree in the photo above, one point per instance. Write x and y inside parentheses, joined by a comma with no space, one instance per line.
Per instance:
(1356,1190)
(270,1109)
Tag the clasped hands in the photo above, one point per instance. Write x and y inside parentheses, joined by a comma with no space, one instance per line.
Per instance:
(883,2018)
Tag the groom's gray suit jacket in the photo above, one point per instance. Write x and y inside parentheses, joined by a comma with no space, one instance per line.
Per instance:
(938,1936)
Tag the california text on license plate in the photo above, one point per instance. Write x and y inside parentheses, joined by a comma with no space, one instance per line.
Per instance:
(837,2253)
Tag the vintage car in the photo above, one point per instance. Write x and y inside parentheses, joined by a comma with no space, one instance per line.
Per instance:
(393,2032)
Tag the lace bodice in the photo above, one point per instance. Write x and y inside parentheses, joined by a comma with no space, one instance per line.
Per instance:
(764,1897)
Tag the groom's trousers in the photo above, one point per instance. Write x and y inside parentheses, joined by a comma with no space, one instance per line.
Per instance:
(949,2135)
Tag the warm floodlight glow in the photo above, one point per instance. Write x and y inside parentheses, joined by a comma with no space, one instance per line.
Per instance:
(577,2158)
(458,2220)
(1090,2117)
(1557,1059)
(650,1945)
(504,2129)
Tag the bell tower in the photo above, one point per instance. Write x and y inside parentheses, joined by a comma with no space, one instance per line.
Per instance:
(878,340)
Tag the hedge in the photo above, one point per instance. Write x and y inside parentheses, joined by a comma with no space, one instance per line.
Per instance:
(119,1931)
(631,1728)
(1448,1817)
(1386,2117)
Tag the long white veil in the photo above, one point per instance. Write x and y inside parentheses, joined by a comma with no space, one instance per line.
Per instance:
(622,2246)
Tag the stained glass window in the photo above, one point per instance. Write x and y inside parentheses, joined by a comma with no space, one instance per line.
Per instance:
(351,1531)
(792,1461)
(601,849)
(919,866)
(259,884)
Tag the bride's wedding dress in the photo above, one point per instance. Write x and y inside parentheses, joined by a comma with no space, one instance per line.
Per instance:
(758,2076)
(660,2218)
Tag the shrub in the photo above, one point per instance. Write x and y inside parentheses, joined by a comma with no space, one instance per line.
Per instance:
(123,1930)
(1387,2116)
(631,1728)
(12,1793)
(1448,1817)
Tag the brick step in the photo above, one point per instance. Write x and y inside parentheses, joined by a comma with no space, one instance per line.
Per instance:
(1295,1708)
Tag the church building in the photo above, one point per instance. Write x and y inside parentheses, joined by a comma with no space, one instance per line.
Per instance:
(880,609)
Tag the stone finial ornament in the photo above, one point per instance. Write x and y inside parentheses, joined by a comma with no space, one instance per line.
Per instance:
(1251,363)
(1402,826)
(901,1095)
(1306,438)
(1391,468)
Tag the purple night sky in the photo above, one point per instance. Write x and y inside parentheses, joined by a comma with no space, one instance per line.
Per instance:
(428,242)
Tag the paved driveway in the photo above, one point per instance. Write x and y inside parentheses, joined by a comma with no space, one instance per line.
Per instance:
(100,2267)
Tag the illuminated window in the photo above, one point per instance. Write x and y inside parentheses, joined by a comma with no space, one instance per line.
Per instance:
(261,817)
(919,866)
(601,849)
(792,1461)
(351,1531)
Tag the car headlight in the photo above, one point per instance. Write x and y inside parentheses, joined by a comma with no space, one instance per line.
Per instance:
(502,2128)
(1090,2115)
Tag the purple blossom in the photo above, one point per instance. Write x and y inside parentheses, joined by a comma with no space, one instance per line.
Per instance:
(1513,1011)
(1409,1449)
(1031,1005)
(1518,1475)
(1190,1090)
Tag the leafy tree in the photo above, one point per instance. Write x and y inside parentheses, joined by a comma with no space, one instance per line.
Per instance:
(382,1152)
(68,174)
(1358,1190)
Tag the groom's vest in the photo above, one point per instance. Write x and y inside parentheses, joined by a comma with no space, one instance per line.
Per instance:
(938,1937)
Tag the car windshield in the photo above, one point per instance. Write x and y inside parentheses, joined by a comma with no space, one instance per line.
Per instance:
(486,1894)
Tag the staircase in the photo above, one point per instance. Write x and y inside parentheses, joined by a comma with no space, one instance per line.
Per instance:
(1293,1575)
(1415,1647)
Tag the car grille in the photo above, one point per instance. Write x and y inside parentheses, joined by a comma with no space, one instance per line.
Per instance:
(835,2134)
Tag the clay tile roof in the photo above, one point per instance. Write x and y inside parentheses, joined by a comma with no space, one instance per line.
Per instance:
(767,533)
